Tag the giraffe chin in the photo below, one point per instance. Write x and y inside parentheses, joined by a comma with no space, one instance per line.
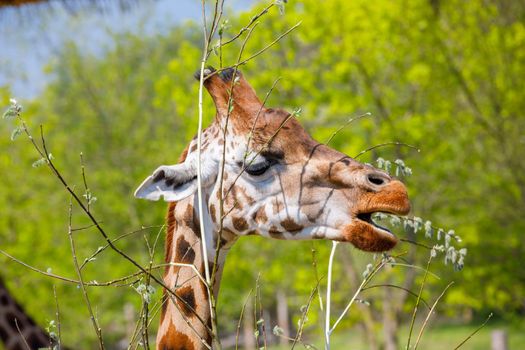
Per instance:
(368,237)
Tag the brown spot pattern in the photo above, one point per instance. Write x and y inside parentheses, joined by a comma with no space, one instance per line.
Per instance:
(240,224)
(260,215)
(172,227)
(187,216)
(291,226)
(175,340)
(185,253)
(212,212)
(164,305)
(170,218)
(277,207)
(186,300)
(247,199)
(275,233)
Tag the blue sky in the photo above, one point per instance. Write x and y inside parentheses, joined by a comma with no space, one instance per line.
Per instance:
(32,35)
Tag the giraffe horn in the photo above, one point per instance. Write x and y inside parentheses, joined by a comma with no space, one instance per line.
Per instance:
(219,85)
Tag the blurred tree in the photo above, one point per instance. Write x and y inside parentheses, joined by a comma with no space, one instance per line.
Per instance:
(445,76)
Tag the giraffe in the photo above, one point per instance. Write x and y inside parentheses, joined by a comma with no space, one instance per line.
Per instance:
(275,181)
(18,331)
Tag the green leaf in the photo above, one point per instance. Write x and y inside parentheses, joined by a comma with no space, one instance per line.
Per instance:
(10,113)
(39,163)
(16,132)
(278,331)
(297,112)
(280,5)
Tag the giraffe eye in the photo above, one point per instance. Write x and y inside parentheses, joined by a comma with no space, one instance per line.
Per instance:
(260,168)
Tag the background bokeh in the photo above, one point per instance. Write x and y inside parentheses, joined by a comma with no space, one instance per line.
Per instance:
(444,76)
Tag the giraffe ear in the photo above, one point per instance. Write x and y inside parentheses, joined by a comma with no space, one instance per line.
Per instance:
(172,182)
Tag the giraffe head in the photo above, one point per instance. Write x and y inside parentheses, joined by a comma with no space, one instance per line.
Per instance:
(275,180)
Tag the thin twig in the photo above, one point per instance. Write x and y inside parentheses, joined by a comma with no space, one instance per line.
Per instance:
(317,278)
(367,279)
(250,134)
(263,147)
(398,287)
(255,318)
(329,296)
(240,319)
(204,246)
(145,304)
(414,267)
(21,335)
(45,273)
(86,188)
(101,284)
(415,243)
(414,314)
(395,143)
(223,163)
(243,62)
(473,333)
(259,308)
(429,314)
(102,248)
(348,122)
(246,27)
(94,321)
(270,44)
(57,314)
(45,155)
(302,320)
(79,202)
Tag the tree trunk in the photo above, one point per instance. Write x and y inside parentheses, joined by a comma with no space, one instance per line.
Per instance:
(390,323)
(499,340)
(248,327)
(283,316)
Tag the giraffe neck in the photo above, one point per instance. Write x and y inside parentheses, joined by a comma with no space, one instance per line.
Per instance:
(185,321)
(17,328)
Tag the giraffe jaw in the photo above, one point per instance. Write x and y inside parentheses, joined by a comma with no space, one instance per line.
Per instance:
(366,235)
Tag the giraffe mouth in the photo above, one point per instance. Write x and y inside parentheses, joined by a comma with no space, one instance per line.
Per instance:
(367,218)
(366,235)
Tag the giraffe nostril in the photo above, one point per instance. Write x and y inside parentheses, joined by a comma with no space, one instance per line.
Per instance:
(377,179)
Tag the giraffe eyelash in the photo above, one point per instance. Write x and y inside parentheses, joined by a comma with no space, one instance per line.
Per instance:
(259,168)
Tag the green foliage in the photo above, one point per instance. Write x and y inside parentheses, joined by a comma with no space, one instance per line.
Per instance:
(444,76)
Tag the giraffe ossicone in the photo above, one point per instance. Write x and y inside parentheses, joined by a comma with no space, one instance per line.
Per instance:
(262,174)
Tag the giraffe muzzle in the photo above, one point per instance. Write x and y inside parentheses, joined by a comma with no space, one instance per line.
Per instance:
(367,235)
